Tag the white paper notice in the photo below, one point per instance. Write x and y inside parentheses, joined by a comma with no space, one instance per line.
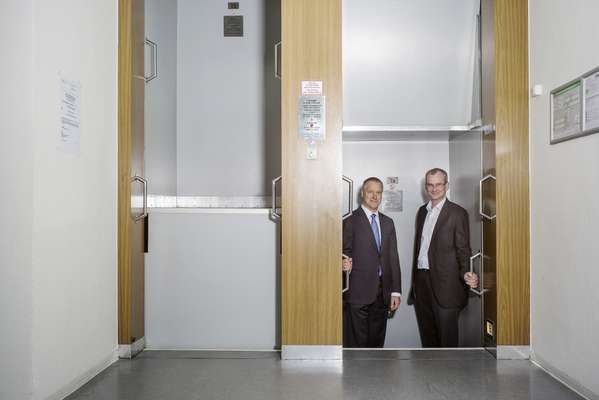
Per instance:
(591,102)
(70,114)
(393,196)
(311,88)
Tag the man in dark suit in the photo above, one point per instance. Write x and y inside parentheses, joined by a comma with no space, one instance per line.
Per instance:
(440,272)
(370,253)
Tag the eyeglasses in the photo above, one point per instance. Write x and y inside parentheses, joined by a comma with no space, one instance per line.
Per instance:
(435,186)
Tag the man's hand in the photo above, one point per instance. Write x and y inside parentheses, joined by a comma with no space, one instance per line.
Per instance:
(394,305)
(471,279)
(347,263)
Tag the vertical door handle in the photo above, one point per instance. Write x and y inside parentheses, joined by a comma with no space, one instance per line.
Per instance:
(154,65)
(144,182)
(277,72)
(350,197)
(346,286)
(480,197)
(473,290)
(273,210)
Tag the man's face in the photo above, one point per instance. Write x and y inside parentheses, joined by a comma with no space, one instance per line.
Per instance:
(372,193)
(436,187)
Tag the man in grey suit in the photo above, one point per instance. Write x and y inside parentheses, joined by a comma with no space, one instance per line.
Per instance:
(440,271)
(370,253)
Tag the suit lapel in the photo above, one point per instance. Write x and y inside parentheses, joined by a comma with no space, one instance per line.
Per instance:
(421,216)
(443,216)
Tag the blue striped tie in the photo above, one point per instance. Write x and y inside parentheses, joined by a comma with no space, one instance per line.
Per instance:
(375,231)
(377,236)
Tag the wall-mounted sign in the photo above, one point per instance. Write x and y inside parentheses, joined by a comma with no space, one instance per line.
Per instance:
(311,88)
(591,101)
(566,111)
(70,114)
(311,117)
(392,196)
(233,25)
(575,108)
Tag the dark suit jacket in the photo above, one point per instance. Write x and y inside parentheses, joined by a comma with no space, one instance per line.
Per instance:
(359,243)
(448,255)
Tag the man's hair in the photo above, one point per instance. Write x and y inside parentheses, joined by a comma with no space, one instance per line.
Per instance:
(436,171)
(371,179)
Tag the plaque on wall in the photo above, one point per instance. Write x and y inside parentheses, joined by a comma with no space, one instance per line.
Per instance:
(566,111)
(575,108)
(392,196)
(233,25)
(591,102)
(311,117)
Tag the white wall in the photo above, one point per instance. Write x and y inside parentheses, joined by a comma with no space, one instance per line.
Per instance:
(564,206)
(74,197)
(408,62)
(161,99)
(16,180)
(409,161)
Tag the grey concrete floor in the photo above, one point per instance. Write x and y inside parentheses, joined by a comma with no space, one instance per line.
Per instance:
(388,374)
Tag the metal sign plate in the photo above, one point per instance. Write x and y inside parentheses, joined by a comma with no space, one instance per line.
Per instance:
(311,117)
(233,25)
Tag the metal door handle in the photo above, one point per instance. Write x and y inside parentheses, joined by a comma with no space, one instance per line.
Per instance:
(273,210)
(480,197)
(277,73)
(476,291)
(350,197)
(144,182)
(154,68)
(346,288)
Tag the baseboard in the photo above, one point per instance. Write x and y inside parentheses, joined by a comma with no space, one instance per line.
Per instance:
(133,349)
(294,352)
(512,352)
(87,376)
(564,378)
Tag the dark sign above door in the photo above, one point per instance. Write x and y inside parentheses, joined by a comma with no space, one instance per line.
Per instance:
(233,25)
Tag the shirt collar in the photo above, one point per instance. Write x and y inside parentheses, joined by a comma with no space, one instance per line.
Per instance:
(438,207)
(369,213)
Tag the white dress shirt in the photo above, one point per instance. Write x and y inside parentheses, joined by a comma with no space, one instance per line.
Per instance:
(427,232)
(369,214)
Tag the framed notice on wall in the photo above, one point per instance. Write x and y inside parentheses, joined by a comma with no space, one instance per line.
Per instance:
(566,111)
(590,84)
(575,108)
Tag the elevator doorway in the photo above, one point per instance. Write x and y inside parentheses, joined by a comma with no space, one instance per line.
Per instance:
(412,102)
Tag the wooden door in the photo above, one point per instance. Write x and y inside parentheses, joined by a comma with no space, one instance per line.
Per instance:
(131,193)
(505,194)
(311,189)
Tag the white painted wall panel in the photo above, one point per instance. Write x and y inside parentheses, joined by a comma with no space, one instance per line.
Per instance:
(211,280)
(16,193)
(409,161)
(74,197)
(564,206)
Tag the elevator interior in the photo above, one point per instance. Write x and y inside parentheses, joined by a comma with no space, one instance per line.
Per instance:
(411,101)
